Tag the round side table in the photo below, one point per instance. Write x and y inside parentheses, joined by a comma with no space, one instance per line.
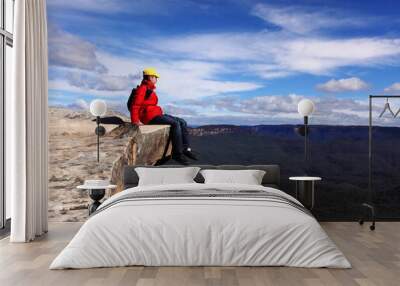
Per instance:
(305,190)
(96,193)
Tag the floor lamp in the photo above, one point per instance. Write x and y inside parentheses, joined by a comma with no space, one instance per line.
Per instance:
(98,108)
(305,108)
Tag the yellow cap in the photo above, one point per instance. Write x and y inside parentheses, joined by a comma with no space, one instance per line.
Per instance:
(150,72)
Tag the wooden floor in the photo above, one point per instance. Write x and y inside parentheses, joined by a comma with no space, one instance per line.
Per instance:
(375,257)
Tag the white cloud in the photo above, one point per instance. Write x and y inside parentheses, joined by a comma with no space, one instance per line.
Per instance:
(197,66)
(268,71)
(101,82)
(275,54)
(218,46)
(201,61)
(79,104)
(270,109)
(77,66)
(282,54)
(319,56)
(181,78)
(62,84)
(344,84)
(395,87)
(271,105)
(302,20)
(68,50)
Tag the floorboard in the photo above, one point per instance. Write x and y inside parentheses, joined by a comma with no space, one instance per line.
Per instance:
(375,257)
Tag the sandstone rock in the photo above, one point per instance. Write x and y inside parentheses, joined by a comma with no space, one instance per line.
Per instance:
(79,180)
(73,157)
(72,219)
(124,131)
(78,207)
(144,146)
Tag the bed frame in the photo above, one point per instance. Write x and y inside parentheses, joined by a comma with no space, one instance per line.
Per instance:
(271,177)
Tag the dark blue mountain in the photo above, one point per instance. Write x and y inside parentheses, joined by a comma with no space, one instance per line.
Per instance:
(338,154)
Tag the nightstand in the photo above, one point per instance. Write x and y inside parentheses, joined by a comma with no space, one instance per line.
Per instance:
(305,190)
(97,190)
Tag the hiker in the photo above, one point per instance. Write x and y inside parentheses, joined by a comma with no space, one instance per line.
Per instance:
(144,110)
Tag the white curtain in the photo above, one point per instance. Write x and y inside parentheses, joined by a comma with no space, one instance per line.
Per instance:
(27,147)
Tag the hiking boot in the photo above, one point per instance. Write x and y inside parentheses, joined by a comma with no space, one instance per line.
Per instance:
(180,159)
(188,153)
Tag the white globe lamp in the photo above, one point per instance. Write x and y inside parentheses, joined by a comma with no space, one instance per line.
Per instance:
(98,107)
(305,107)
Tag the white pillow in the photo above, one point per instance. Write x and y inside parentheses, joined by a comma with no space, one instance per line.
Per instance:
(166,176)
(248,177)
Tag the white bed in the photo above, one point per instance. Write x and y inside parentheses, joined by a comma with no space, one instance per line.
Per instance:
(205,230)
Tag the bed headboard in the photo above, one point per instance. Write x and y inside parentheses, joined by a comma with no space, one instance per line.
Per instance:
(271,177)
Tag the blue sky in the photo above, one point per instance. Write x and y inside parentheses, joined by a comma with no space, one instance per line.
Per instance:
(234,61)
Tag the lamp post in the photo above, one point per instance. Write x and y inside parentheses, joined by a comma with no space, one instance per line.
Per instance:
(98,108)
(305,108)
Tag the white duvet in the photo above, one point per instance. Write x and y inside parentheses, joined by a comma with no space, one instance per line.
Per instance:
(200,231)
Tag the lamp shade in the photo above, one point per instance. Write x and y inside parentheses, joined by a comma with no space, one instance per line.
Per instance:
(98,107)
(305,107)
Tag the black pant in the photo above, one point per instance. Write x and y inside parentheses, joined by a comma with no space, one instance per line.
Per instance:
(178,132)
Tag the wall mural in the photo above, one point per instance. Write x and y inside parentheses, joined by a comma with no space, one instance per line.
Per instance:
(235,72)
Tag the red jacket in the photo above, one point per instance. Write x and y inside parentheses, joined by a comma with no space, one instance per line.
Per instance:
(145,109)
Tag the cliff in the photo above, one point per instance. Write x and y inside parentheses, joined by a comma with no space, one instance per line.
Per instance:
(73,157)
(144,146)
